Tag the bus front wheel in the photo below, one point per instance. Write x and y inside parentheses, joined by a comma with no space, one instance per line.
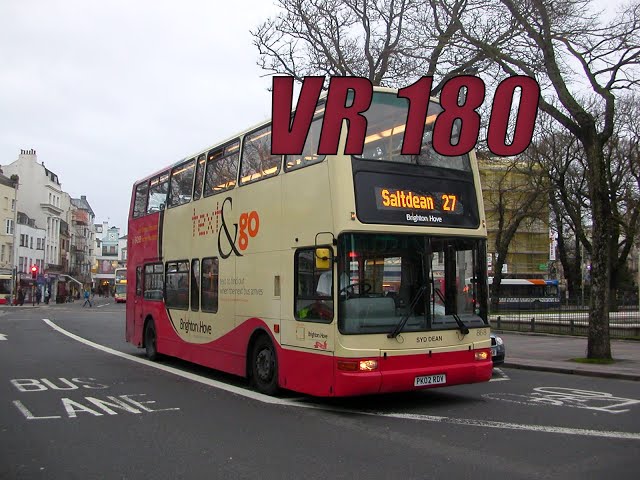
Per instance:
(264,366)
(150,341)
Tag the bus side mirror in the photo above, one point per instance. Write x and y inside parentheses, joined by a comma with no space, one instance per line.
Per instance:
(323,258)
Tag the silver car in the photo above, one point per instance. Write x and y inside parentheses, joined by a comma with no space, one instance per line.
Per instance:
(497,350)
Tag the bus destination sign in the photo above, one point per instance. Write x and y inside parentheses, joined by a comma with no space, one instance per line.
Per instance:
(415,201)
(391,198)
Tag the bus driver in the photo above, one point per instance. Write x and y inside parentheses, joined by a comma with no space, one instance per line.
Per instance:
(325,283)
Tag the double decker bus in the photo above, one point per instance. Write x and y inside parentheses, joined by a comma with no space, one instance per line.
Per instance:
(330,275)
(120,285)
(528,294)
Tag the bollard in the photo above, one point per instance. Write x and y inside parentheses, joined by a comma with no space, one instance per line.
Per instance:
(533,324)
(498,322)
(571,326)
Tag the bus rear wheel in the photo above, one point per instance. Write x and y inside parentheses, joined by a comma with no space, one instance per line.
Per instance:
(150,341)
(264,366)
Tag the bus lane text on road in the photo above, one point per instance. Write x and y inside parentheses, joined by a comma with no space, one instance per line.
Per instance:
(92,405)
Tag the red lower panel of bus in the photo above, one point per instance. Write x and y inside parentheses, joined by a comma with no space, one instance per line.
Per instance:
(317,373)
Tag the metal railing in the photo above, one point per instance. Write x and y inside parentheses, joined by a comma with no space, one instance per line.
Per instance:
(565,319)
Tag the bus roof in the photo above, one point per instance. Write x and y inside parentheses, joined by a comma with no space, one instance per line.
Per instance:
(238,136)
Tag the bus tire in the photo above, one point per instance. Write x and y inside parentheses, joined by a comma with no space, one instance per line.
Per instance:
(151,341)
(264,366)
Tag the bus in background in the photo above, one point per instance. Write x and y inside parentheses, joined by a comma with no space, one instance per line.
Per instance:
(120,285)
(528,294)
(330,275)
(5,288)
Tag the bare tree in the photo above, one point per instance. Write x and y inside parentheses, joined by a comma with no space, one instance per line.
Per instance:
(390,42)
(564,160)
(567,48)
(515,195)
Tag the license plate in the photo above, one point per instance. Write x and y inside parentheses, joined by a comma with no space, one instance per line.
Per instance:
(430,380)
(494,351)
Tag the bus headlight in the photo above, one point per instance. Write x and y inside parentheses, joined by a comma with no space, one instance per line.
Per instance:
(358,365)
(482,355)
(368,365)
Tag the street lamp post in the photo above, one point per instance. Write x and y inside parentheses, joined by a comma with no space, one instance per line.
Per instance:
(14,259)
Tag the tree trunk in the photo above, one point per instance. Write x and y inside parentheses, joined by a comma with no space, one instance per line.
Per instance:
(598,344)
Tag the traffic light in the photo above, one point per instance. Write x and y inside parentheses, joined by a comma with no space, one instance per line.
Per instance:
(34,271)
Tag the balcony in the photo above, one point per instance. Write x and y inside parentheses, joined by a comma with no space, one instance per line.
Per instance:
(81,217)
(51,208)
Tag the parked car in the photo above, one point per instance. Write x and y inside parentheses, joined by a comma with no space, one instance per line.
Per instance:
(497,350)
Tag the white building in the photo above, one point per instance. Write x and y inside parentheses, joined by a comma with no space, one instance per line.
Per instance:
(41,201)
(31,242)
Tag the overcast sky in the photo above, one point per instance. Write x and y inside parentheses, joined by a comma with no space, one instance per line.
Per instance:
(110,91)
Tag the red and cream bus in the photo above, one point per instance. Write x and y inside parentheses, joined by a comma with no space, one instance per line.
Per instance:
(328,275)
(120,285)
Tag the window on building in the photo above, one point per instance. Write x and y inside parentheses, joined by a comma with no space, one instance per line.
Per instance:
(31,242)
(257,161)
(177,285)
(9,226)
(209,284)
(2,253)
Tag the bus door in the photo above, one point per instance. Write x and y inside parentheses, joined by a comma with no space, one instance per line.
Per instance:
(138,322)
(314,300)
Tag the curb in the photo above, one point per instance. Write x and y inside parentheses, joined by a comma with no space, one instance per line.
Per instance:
(573,371)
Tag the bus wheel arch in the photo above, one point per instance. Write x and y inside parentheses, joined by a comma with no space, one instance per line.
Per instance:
(262,363)
(150,338)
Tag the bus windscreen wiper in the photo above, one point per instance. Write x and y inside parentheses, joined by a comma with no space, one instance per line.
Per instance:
(405,317)
(463,328)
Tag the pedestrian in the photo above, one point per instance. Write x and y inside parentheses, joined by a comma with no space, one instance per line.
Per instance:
(20,296)
(87,299)
(47,296)
(38,295)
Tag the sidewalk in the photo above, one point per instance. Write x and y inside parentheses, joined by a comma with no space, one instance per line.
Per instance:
(553,353)
(77,302)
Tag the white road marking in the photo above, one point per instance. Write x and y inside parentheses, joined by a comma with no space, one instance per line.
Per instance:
(3,336)
(404,416)
(502,376)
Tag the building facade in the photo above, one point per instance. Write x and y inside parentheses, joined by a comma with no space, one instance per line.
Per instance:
(65,253)
(107,257)
(507,187)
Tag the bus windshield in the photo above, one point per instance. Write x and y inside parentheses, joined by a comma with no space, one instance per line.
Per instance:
(417,276)
(386,119)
